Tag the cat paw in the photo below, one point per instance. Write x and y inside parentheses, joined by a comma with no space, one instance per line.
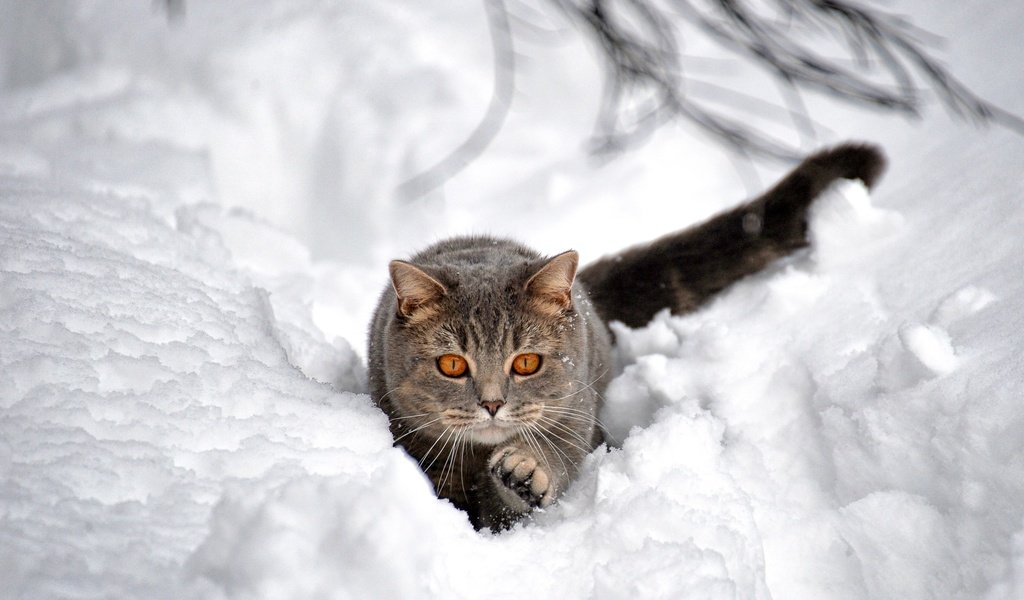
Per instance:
(518,471)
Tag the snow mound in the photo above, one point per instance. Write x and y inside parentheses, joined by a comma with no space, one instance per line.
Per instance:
(142,375)
(676,525)
(376,535)
(176,423)
(797,438)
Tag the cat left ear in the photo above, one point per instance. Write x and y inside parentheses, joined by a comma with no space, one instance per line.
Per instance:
(553,282)
(414,287)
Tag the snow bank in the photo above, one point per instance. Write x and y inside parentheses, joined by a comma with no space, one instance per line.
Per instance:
(142,376)
(181,406)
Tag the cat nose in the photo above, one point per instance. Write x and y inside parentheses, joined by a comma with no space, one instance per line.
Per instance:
(492,406)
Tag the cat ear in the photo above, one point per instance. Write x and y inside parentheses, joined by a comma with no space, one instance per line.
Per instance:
(553,282)
(415,289)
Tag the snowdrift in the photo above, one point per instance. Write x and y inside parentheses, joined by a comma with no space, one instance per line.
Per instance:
(182,406)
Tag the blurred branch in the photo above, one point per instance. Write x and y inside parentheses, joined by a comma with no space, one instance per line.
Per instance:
(645,86)
(175,9)
(503,50)
(641,61)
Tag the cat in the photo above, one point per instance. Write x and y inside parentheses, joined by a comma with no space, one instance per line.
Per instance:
(490,359)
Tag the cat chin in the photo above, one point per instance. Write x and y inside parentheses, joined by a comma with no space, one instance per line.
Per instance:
(491,434)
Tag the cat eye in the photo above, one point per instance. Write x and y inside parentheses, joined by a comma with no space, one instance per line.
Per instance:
(526,364)
(452,365)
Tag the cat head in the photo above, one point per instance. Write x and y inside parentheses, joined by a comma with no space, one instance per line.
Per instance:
(482,351)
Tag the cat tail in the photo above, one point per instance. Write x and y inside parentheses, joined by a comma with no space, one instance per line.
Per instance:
(682,270)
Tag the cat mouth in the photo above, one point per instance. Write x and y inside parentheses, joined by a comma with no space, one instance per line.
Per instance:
(491,432)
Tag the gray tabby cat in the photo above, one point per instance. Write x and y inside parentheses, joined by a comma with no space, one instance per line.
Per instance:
(490,359)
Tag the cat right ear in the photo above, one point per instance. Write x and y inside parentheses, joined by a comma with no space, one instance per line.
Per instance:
(552,283)
(414,287)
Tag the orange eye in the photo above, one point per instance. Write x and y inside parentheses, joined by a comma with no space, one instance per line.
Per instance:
(452,365)
(526,364)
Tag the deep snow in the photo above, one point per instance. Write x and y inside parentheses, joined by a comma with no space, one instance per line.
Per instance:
(181,406)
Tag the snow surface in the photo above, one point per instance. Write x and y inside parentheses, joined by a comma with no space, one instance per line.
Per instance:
(195,218)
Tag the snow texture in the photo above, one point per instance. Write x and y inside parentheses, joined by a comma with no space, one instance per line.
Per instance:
(195,219)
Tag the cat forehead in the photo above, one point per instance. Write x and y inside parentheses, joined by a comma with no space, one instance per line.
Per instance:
(489,318)
(485,284)
(487,274)
(483,339)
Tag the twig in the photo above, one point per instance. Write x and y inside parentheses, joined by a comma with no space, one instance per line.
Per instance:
(487,129)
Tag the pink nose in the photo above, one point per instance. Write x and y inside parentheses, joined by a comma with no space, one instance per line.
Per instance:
(492,406)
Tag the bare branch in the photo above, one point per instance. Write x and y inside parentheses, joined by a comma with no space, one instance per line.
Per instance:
(494,119)
(645,86)
(640,60)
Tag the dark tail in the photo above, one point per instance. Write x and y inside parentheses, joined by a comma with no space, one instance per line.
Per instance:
(682,270)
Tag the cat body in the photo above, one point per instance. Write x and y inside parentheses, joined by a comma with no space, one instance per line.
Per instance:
(490,359)
(489,301)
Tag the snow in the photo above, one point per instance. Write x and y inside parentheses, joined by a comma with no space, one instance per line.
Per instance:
(195,219)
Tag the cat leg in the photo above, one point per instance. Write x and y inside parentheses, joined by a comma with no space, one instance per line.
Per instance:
(523,480)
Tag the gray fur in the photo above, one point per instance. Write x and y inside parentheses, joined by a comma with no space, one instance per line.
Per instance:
(488,315)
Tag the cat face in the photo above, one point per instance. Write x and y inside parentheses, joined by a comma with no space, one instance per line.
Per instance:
(482,355)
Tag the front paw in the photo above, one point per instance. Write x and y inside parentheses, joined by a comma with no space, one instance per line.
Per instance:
(518,471)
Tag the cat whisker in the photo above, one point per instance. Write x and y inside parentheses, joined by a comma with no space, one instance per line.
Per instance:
(448,467)
(568,412)
(525,415)
(412,431)
(578,412)
(592,381)
(590,385)
(462,463)
(444,465)
(558,452)
(584,449)
(461,422)
(574,414)
(392,419)
(464,441)
(454,435)
(569,395)
(388,393)
(461,417)
(586,386)
(568,430)
(430,450)
(531,440)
